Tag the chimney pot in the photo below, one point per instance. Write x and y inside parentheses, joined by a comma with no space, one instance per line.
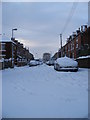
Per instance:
(85,27)
(81,28)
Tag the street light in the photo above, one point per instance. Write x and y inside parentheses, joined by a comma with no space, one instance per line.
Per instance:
(15,29)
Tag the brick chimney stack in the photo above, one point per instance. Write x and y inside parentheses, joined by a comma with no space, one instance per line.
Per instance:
(85,27)
(82,28)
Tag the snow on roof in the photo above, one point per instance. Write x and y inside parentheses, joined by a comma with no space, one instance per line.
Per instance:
(65,62)
(3,38)
(82,57)
(19,56)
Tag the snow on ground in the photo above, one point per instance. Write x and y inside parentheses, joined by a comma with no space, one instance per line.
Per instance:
(0,95)
(42,92)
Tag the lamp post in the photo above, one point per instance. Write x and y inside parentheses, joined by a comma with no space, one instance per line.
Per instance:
(15,29)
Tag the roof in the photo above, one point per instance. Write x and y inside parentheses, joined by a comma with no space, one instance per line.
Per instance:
(4,38)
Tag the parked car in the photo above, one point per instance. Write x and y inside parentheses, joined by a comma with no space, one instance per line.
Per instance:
(50,62)
(66,64)
(39,61)
(33,63)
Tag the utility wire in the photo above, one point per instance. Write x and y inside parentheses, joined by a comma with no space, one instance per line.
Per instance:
(70,16)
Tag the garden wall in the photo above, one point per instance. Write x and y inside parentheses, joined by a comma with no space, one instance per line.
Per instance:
(83,62)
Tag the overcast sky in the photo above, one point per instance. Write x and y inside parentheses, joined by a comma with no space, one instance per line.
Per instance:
(39,24)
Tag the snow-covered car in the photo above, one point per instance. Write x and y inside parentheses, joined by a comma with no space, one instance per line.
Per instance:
(50,62)
(66,64)
(33,63)
(39,62)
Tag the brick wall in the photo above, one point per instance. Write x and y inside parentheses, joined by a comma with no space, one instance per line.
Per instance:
(80,42)
(84,62)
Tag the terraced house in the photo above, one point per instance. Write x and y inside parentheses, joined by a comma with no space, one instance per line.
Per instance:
(13,53)
(78,44)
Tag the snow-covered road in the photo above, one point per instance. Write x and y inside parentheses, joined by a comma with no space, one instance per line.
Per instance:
(42,92)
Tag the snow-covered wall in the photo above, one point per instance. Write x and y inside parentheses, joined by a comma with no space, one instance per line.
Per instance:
(0,71)
(83,62)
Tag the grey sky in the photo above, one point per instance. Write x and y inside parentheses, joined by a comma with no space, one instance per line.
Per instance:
(39,24)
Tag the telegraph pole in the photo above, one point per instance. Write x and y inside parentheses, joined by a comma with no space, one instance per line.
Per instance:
(61,40)
(61,43)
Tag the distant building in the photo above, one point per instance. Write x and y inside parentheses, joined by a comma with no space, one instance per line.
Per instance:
(46,57)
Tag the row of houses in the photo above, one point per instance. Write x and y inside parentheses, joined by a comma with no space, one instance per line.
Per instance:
(12,52)
(78,44)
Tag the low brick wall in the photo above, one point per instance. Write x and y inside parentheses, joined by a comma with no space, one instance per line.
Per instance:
(8,64)
(1,65)
(83,62)
(21,64)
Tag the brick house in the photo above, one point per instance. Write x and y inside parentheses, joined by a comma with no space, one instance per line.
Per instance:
(7,50)
(22,54)
(13,52)
(78,44)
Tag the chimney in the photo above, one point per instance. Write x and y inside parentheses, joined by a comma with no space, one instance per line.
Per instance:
(73,35)
(78,31)
(61,40)
(81,28)
(85,27)
(70,37)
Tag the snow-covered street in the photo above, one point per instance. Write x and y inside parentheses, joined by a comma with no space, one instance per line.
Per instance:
(42,92)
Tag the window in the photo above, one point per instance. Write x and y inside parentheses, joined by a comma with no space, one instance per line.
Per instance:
(73,54)
(0,46)
(77,43)
(3,46)
(71,46)
(68,47)
(65,48)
